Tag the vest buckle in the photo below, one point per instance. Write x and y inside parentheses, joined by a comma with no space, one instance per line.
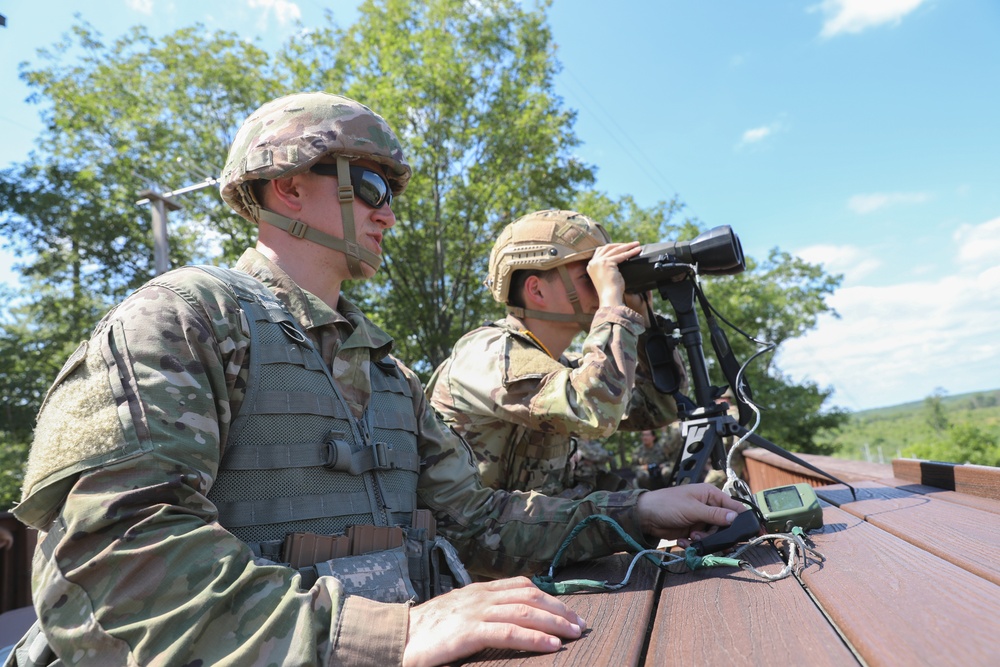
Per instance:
(338,453)
(383,458)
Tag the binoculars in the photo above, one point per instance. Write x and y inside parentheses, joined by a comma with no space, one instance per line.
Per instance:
(715,252)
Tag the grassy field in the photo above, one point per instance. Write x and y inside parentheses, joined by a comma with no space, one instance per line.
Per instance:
(946,428)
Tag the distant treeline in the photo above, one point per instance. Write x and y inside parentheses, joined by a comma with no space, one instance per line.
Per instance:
(958,429)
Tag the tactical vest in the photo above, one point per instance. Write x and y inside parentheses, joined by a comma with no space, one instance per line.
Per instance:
(297,462)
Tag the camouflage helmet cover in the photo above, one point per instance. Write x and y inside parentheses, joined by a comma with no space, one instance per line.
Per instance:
(540,241)
(290,134)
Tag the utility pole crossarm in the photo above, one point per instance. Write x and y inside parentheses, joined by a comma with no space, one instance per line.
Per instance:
(160,204)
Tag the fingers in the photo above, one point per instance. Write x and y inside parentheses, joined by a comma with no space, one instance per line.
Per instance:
(603,271)
(675,512)
(519,591)
(618,252)
(508,613)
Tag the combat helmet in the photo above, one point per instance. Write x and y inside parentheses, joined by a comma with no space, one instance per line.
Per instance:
(289,135)
(541,241)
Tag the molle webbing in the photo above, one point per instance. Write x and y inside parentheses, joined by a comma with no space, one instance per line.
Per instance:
(333,454)
(297,460)
(302,508)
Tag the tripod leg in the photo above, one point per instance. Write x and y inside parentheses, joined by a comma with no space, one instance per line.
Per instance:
(702,450)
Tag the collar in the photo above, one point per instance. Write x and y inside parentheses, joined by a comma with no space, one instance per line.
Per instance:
(310,311)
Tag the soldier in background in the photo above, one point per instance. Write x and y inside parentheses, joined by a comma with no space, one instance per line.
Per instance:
(513,391)
(592,470)
(653,460)
(217,419)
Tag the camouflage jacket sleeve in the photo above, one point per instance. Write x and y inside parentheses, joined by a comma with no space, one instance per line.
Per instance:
(135,567)
(504,533)
(512,380)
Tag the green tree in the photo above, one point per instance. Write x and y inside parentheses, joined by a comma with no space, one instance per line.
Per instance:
(138,113)
(469,88)
(960,443)
(936,417)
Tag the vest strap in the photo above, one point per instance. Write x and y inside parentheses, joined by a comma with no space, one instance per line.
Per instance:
(334,454)
(301,508)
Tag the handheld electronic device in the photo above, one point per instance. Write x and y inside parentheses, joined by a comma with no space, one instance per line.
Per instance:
(746,526)
(786,506)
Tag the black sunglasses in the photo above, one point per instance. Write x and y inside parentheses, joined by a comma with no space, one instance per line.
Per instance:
(369,186)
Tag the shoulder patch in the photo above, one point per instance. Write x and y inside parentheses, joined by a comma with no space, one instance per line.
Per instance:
(523,360)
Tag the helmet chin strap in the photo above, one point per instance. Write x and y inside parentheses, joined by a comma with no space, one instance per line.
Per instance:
(348,245)
(578,316)
(346,195)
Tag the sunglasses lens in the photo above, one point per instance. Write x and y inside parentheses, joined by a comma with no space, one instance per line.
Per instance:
(372,188)
(368,185)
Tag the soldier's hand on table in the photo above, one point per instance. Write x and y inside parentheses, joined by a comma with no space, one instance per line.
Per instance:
(507,613)
(686,512)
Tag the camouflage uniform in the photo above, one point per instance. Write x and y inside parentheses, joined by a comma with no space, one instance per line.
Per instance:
(592,466)
(129,442)
(518,408)
(644,456)
(134,564)
(661,454)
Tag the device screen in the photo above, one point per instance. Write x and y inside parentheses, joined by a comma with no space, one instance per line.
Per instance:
(785,498)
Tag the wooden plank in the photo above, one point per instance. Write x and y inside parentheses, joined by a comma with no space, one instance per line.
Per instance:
(979,502)
(972,479)
(898,604)
(766,469)
(616,620)
(726,616)
(965,536)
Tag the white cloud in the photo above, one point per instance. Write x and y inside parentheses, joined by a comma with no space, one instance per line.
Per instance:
(854,262)
(854,16)
(897,343)
(141,6)
(864,204)
(979,245)
(283,10)
(758,134)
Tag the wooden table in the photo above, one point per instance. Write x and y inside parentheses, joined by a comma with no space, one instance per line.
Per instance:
(911,577)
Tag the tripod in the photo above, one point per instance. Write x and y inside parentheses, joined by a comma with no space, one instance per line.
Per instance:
(704,422)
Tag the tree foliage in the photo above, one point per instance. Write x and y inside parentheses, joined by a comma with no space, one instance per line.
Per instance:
(468,86)
(136,114)
(957,429)
(470,92)
(959,443)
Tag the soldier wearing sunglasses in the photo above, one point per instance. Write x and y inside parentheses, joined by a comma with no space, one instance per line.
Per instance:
(235,469)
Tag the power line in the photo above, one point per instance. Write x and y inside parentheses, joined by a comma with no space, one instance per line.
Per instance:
(653,171)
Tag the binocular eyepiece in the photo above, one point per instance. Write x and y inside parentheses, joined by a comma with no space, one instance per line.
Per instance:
(715,252)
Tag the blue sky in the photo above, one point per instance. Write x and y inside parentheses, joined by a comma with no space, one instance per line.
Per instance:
(860,134)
